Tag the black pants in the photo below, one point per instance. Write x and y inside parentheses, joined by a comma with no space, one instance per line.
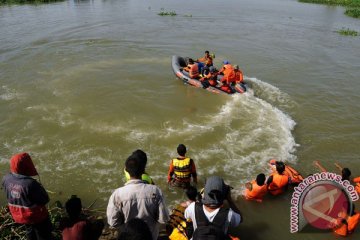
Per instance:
(39,231)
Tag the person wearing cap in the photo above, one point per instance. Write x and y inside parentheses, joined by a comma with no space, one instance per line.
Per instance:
(207,59)
(181,169)
(27,197)
(228,76)
(212,204)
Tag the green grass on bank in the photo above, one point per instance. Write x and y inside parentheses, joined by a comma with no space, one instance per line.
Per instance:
(9,2)
(353,6)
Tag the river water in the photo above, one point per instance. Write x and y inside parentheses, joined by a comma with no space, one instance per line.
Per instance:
(84,83)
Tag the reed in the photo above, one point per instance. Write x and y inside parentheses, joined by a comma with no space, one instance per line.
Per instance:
(166,13)
(10,2)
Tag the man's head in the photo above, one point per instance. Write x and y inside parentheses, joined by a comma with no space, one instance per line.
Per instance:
(142,157)
(260,179)
(73,207)
(191,192)
(191,61)
(134,166)
(181,150)
(207,53)
(236,67)
(215,192)
(280,167)
(345,173)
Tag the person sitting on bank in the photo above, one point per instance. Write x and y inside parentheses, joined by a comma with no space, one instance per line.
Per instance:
(182,169)
(212,210)
(207,59)
(176,227)
(137,200)
(278,182)
(143,158)
(192,68)
(256,189)
(27,198)
(76,226)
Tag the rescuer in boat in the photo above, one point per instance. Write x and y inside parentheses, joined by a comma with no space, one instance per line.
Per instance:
(209,78)
(227,77)
(192,68)
(182,169)
(207,59)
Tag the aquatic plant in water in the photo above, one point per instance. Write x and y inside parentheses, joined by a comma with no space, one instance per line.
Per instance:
(352,5)
(166,13)
(347,32)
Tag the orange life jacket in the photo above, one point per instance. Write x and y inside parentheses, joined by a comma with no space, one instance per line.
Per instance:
(278,184)
(294,175)
(341,229)
(208,60)
(257,192)
(194,70)
(357,182)
(229,73)
(353,221)
(239,78)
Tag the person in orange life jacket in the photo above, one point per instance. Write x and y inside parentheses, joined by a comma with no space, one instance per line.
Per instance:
(209,78)
(295,177)
(192,68)
(182,169)
(27,198)
(177,224)
(76,226)
(345,225)
(357,182)
(239,77)
(207,59)
(278,182)
(228,77)
(256,189)
(211,209)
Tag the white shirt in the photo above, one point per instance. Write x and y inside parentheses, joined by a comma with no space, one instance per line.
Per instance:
(233,219)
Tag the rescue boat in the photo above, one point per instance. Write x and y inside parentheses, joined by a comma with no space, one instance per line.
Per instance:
(178,63)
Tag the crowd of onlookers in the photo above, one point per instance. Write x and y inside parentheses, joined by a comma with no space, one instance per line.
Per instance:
(137,209)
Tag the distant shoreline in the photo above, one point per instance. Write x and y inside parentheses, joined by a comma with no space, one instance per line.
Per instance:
(14,2)
(352,6)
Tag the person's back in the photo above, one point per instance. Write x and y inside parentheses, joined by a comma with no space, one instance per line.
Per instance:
(210,219)
(278,181)
(256,189)
(181,169)
(137,200)
(76,226)
(27,198)
(239,77)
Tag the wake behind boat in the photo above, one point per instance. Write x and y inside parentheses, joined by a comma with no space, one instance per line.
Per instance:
(178,64)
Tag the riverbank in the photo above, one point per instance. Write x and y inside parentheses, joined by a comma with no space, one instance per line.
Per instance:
(10,2)
(352,6)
